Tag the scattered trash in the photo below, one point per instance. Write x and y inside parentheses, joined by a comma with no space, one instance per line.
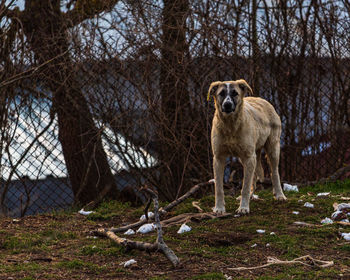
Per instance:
(327,221)
(272,233)
(254,245)
(267,244)
(323,194)
(346,236)
(290,188)
(85,213)
(255,196)
(184,228)
(338,216)
(295,212)
(344,206)
(260,231)
(308,205)
(128,263)
(92,237)
(236,216)
(211,181)
(150,215)
(129,232)
(300,200)
(146,228)
(345,221)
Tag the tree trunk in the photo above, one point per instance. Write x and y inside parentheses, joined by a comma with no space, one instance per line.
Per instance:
(174,136)
(86,161)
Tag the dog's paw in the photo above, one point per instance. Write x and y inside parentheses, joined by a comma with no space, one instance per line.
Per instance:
(242,210)
(280,197)
(219,210)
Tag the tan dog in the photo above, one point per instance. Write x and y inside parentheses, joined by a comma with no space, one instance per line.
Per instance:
(242,126)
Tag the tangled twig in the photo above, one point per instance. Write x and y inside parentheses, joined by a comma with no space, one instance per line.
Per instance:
(304,260)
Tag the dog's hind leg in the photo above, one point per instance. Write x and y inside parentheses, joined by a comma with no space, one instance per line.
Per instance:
(219,166)
(273,154)
(259,172)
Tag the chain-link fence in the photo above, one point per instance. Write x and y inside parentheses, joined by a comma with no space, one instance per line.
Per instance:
(101,97)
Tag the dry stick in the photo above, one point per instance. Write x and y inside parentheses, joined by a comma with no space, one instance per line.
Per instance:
(193,190)
(159,245)
(304,260)
(162,211)
(195,204)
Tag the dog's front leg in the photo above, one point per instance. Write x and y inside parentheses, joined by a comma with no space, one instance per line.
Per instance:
(248,169)
(219,166)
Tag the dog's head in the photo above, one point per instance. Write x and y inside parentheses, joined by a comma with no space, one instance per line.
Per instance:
(229,95)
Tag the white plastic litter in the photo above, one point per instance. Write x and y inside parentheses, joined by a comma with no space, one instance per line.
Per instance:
(295,212)
(150,215)
(346,236)
(184,228)
(308,205)
(327,221)
(82,212)
(272,233)
(260,231)
(255,196)
(323,194)
(211,181)
(343,206)
(290,188)
(267,244)
(128,263)
(146,228)
(129,232)
(337,215)
(254,245)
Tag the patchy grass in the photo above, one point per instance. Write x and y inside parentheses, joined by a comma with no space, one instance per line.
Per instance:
(59,245)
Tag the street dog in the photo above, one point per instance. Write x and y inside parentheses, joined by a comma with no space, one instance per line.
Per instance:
(242,127)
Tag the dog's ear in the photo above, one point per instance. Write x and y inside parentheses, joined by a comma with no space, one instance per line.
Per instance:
(213,84)
(244,87)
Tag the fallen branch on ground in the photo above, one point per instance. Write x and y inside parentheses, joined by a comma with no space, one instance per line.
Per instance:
(162,211)
(304,260)
(159,245)
(195,204)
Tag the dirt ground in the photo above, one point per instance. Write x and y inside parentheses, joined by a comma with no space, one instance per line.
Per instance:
(60,245)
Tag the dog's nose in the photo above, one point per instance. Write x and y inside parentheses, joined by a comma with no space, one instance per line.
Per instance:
(227,106)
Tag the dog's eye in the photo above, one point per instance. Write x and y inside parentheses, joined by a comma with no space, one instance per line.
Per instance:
(222,93)
(234,93)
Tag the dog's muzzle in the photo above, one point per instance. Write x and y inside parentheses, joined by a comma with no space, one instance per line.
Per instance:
(228,105)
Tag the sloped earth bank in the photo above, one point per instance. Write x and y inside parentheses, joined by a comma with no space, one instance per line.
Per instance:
(60,245)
